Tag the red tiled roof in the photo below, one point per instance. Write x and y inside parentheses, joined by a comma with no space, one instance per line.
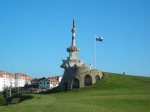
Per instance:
(15,75)
(55,78)
(52,79)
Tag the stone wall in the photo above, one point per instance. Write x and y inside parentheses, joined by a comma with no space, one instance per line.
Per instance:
(79,77)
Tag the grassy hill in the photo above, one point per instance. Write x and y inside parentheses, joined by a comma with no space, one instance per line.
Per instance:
(114,93)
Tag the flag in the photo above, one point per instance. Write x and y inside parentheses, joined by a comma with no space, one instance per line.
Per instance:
(99,38)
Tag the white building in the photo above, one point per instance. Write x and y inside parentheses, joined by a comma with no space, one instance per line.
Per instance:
(22,79)
(1,84)
(47,83)
(59,78)
(50,82)
(9,80)
(44,83)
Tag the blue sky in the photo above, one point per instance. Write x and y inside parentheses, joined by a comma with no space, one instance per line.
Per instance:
(34,35)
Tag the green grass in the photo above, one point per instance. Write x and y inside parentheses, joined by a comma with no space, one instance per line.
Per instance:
(115,93)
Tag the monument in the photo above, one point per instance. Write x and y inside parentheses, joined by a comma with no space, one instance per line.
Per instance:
(76,73)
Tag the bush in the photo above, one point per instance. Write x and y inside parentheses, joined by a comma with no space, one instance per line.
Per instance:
(2,100)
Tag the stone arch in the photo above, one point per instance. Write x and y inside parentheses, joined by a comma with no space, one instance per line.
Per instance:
(97,77)
(87,80)
(75,83)
(65,86)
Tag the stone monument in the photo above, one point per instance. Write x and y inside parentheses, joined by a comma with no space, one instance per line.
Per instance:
(76,73)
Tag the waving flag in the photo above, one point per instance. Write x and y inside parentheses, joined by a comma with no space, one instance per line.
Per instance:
(99,38)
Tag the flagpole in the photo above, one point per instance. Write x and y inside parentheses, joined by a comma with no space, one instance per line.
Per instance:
(96,38)
(95,55)
(95,52)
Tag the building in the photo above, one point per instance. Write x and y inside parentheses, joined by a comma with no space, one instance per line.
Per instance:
(6,80)
(9,80)
(58,78)
(22,79)
(76,73)
(48,83)
(35,83)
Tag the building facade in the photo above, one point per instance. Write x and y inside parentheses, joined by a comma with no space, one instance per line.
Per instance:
(9,80)
(50,82)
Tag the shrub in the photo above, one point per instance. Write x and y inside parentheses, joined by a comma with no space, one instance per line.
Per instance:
(2,100)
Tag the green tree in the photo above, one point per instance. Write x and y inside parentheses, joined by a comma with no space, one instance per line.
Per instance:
(2,100)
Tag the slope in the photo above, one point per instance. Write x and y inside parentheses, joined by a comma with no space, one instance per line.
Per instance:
(114,93)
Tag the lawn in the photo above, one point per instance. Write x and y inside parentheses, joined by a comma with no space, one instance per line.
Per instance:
(114,93)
